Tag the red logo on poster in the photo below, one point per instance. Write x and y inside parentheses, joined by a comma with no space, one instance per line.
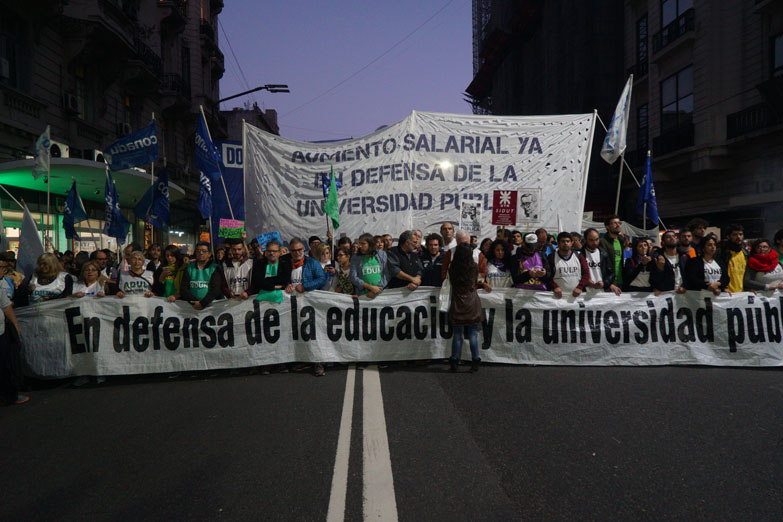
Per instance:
(504,207)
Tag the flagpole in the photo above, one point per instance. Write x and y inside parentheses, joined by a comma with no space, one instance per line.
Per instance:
(152,184)
(222,181)
(89,227)
(48,213)
(619,183)
(12,197)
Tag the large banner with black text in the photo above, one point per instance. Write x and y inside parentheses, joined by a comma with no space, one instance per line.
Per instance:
(417,172)
(110,336)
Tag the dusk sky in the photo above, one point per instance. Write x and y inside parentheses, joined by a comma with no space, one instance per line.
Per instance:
(313,46)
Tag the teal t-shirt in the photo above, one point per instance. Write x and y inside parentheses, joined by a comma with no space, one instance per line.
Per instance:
(199,279)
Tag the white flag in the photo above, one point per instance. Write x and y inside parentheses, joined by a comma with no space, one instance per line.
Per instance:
(30,246)
(42,155)
(614,144)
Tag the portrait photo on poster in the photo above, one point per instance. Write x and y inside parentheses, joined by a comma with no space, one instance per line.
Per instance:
(529,205)
(470,217)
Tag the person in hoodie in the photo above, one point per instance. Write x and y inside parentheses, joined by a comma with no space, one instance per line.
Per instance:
(528,269)
(202,281)
(637,268)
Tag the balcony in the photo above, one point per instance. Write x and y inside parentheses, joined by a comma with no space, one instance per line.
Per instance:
(749,120)
(207,30)
(172,83)
(217,64)
(673,140)
(176,18)
(638,70)
(682,25)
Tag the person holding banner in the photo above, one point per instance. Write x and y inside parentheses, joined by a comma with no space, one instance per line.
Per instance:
(168,277)
(342,276)
(763,272)
(706,271)
(368,268)
(91,282)
(271,274)
(49,280)
(306,273)
(136,280)
(599,264)
(431,259)
(465,307)
(569,272)
(202,281)
(499,266)
(237,269)
(403,268)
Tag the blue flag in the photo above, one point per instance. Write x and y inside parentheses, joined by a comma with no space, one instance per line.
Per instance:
(73,213)
(207,157)
(153,208)
(326,179)
(115,224)
(205,196)
(647,194)
(137,148)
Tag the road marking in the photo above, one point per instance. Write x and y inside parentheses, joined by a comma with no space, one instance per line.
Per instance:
(336,512)
(379,501)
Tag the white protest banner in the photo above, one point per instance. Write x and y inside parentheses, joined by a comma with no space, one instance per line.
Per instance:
(106,336)
(415,173)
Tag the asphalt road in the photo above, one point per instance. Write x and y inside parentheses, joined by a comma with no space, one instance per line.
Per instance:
(507,443)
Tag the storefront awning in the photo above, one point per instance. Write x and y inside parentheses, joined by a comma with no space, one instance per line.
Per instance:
(90,179)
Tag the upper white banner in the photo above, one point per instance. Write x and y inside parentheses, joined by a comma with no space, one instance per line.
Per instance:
(416,173)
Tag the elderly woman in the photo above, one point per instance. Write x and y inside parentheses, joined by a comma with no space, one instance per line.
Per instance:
(136,280)
(49,280)
(91,282)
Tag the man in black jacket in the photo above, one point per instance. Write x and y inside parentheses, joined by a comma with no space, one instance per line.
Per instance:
(260,281)
(669,268)
(599,263)
(403,267)
(431,261)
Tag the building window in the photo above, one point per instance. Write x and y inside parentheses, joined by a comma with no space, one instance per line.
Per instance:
(641,44)
(14,52)
(677,100)
(777,55)
(673,9)
(642,129)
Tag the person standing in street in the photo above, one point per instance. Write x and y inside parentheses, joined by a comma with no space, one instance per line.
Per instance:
(465,306)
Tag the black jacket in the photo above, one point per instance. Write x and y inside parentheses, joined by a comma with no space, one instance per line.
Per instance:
(694,274)
(631,269)
(431,268)
(259,281)
(663,280)
(607,267)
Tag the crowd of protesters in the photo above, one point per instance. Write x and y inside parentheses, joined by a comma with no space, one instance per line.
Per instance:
(565,264)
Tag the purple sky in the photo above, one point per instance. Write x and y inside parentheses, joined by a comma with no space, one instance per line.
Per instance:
(314,45)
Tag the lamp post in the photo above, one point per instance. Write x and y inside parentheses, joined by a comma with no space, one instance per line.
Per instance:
(271,87)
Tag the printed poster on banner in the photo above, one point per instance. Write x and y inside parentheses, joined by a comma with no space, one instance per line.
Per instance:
(529,205)
(504,208)
(231,228)
(470,217)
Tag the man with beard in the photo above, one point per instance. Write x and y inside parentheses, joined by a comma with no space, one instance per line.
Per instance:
(684,247)
(698,228)
(734,256)
(669,266)
(237,269)
(403,267)
(612,243)
(600,266)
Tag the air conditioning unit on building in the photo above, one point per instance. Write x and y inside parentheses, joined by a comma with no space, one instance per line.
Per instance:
(94,155)
(72,103)
(123,129)
(59,150)
(5,68)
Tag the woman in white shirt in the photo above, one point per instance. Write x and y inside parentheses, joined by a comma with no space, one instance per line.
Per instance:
(91,281)
(136,280)
(49,280)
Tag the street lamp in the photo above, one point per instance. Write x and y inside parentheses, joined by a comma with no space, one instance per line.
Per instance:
(271,87)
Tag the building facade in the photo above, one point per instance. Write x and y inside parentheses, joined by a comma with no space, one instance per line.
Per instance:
(708,101)
(95,70)
(532,57)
